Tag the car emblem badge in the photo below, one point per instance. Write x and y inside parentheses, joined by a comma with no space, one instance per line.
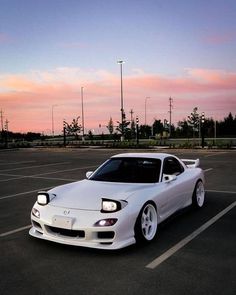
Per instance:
(66,212)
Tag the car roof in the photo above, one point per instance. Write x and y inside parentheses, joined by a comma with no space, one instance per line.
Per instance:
(160,156)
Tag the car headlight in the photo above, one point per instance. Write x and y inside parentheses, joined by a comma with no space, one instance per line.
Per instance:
(36,212)
(109,206)
(43,198)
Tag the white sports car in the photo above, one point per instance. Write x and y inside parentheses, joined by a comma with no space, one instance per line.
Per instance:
(121,203)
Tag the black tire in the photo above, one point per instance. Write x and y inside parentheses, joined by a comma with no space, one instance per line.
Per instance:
(198,197)
(146,224)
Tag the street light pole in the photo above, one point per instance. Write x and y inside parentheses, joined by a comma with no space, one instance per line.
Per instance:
(82,102)
(170,111)
(121,98)
(54,105)
(145,121)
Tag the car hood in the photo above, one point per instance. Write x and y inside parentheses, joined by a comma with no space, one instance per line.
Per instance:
(87,194)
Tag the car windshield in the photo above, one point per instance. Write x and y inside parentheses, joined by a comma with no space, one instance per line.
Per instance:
(131,170)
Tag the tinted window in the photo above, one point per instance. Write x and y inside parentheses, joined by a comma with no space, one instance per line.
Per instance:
(132,170)
(172,166)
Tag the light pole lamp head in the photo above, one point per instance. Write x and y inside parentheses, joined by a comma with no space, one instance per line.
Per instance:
(120,62)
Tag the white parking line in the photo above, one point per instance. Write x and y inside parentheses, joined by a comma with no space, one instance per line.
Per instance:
(215,154)
(37,176)
(67,170)
(15,177)
(37,166)
(156,262)
(223,192)
(16,163)
(15,231)
(26,193)
(207,170)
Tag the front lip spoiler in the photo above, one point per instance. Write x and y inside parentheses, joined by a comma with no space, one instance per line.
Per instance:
(96,245)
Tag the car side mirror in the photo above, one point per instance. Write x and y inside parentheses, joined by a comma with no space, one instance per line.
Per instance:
(168,178)
(88,174)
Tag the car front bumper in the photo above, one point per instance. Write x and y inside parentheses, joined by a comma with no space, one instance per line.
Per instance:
(82,230)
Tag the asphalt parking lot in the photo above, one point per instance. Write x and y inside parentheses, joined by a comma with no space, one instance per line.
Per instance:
(194,252)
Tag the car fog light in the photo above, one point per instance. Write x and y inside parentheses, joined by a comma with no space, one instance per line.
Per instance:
(36,213)
(106,222)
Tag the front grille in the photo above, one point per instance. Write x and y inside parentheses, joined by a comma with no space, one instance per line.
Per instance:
(67,232)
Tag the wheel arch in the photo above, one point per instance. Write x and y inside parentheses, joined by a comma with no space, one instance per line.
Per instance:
(198,179)
(149,202)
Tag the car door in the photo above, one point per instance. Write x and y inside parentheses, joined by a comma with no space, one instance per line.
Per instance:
(176,189)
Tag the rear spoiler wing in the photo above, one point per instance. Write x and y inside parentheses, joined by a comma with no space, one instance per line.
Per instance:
(191,163)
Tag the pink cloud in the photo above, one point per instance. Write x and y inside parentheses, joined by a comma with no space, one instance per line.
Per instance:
(219,38)
(27,99)
(73,45)
(216,78)
(4,38)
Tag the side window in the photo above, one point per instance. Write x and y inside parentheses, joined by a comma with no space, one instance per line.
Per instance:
(172,166)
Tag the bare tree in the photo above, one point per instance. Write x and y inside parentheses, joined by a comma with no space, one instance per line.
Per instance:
(74,128)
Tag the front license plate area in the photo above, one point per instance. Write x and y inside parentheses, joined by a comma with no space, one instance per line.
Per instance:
(62,222)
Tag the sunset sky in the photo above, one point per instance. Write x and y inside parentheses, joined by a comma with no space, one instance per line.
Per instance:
(49,49)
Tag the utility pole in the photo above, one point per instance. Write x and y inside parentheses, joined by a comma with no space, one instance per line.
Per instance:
(120,62)
(170,111)
(131,115)
(6,129)
(1,124)
(1,119)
